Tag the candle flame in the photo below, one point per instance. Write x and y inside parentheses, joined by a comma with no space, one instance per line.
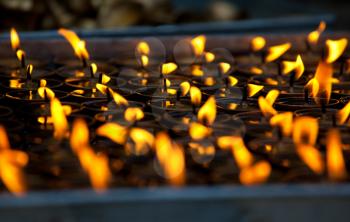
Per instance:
(207,113)
(335,159)
(118,99)
(45,92)
(143,48)
(297,66)
(113,131)
(96,165)
(313,86)
(323,76)
(185,88)
(284,121)
(59,119)
(196,70)
(232,81)
(93,67)
(198,131)
(209,57)
(30,69)
(11,164)
(144,60)
(313,36)
(311,157)
(255,174)
(305,130)
(168,68)
(240,152)
(256,70)
(224,67)
(15,42)
(133,114)
(253,89)
(335,48)
(266,108)
(198,45)
(77,44)
(274,52)
(20,54)
(105,79)
(196,95)
(258,43)
(343,114)
(171,158)
(272,96)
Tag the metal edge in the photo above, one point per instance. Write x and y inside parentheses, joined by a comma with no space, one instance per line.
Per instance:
(195,193)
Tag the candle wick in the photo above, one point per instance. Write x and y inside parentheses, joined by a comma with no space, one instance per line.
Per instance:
(83,60)
(23,61)
(91,72)
(100,78)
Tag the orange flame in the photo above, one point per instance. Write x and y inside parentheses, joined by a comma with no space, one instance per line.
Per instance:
(209,57)
(255,174)
(224,67)
(272,96)
(232,81)
(323,76)
(305,130)
(30,69)
(20,54)
(284,121)
(207,113)
(15,42)
(93,67)
(45,92)
(256,70)
(258,43)
(343,114)
(198,131)
(113,131)
(168,68)
(11,164)
(298,66)
(80,135)
(266,108)
(133,114)
(105,79)
(274,52)
(171,158)
(335,160)
(144,60)
(118,99)
(59,119)
(77,44)
(312,157)
(196,95)
(96,165)
(240,152)
(142,139)
(254,89)
(143,48)
(198,45)
(335,48)
(185,88)
(313,37)
(313,86)
(196,70)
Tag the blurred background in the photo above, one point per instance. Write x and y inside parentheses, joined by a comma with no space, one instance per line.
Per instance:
(91,14)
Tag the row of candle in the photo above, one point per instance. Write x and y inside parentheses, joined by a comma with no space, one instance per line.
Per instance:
(143,121)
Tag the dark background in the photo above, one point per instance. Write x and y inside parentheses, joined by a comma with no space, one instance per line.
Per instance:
(28,15)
